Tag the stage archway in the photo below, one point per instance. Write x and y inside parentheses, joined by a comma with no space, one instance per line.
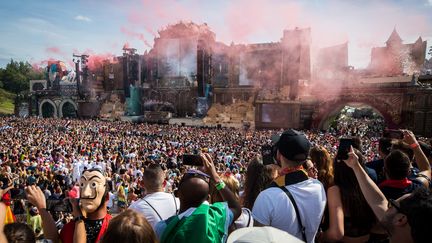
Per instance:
(47,108)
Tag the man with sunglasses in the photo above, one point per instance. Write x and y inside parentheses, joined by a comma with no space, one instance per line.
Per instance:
(406,219)
(199,221)
(91,216)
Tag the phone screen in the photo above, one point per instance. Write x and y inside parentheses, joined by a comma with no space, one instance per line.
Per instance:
(394,134)
(192,159)
(344,148)
(267,155)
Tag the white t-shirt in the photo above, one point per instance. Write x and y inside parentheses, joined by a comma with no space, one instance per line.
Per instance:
(162,202)
(244,220)
(47,193)
(137,173)
(273,207)
(111,199)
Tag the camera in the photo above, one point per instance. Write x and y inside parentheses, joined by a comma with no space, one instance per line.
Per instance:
(269,151)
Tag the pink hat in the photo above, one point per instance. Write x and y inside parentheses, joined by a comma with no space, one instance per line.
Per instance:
(74,192)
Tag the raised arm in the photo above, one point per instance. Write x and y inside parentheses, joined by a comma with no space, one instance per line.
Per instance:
(421,159)
(80,235)
(36,197)
(225,192)
(373,195)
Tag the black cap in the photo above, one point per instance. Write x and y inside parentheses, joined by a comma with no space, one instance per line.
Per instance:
(293,145)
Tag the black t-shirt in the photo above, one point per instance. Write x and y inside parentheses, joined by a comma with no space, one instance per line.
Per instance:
(92,228)
(378,166)
(395,192)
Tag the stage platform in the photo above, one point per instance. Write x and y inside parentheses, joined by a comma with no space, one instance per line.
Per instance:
(198,122)
(186,121)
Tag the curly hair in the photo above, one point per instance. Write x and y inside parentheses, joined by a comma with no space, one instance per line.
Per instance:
(321,157)
(19,233)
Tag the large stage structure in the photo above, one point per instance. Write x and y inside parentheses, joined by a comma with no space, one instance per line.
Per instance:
(187,73)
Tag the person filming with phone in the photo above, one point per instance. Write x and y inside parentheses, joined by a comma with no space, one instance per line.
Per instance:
(401,177)
(199,221)
(406,219)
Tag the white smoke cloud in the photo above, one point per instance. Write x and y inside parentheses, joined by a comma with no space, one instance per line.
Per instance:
(83,18)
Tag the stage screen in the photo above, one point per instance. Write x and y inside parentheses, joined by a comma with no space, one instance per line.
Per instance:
(178,57)
(275,113)
(261,66)
(220,70)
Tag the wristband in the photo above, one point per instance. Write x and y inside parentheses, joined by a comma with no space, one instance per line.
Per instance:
(220,185)
(79,219)
(414,145)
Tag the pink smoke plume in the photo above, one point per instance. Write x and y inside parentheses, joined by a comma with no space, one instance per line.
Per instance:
(161,13)
(55,50)
(245,21)
(96,60)
(42,64)
(133,34)
(63,55)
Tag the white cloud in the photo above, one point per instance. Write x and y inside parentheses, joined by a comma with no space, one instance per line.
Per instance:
(39,27)
(83,18)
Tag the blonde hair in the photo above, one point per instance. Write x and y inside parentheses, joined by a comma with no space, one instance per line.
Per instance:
(231,182)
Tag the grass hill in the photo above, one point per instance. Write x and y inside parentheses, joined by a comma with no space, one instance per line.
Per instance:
(6,102)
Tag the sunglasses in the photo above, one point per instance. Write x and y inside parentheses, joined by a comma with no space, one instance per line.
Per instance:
(392,204)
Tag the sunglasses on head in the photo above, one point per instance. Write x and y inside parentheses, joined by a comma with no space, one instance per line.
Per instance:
(392,204)
(195,174)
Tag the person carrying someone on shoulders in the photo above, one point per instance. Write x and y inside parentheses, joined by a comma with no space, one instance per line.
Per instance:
(406,219)
(199,221)
(294,202)
(91,216)
(157,205)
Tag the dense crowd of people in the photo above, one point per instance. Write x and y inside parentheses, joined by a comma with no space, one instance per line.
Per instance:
(103,181)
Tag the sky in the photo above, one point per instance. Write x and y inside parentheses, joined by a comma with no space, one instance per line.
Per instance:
(40,30)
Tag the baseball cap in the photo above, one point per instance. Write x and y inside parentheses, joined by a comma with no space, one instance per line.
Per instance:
(261,234)
(293,145)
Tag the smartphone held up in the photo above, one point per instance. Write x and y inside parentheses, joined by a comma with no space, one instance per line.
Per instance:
(344,148)
(393,134)
(192,159)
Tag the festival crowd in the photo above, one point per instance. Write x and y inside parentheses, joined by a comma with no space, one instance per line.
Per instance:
(107,181)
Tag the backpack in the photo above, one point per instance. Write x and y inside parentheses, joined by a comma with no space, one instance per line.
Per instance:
(208,223)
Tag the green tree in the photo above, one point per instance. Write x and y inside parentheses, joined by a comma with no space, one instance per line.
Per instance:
(16,76)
